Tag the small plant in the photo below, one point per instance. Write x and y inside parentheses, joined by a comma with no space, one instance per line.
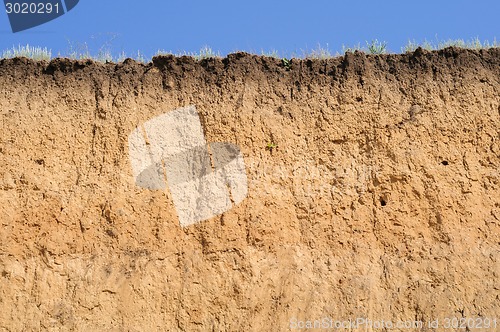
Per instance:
(318,53)
(272,54)
(207,53)
(351,49)
(413,45)
(376,47)
(79,51)
(286,63)
(140,57)
(121,57)
(271,145)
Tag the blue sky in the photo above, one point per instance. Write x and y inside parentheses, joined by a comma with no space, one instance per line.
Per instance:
(227,26)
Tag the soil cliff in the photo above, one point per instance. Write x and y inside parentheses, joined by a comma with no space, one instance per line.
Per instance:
(373,193)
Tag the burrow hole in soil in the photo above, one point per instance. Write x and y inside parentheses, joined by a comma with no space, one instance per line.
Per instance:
(383,202)
(445,162)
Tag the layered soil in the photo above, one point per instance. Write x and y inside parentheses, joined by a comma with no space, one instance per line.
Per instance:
(373,192)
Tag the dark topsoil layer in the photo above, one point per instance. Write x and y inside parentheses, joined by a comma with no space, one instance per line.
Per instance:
(450,61)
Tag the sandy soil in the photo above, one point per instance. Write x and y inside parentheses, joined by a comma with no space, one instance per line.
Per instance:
(381,199)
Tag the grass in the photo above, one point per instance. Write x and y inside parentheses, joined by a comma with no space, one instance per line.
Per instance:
(347,49)
(36,53)
(474,44)
(82,51)
(272,54)
(205,52)
(319,52)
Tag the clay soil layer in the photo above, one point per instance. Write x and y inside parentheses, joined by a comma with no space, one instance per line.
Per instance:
(373,192)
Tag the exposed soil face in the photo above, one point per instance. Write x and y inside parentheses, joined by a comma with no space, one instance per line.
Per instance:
(380,196)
